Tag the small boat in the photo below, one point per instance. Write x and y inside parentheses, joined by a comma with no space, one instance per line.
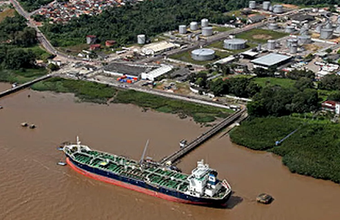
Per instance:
(61,148)
(24,124)
(60,163)
(264,198)
(1,107)
(32,126)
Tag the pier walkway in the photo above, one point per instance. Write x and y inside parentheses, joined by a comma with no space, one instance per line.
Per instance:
(19,87)
(205,136)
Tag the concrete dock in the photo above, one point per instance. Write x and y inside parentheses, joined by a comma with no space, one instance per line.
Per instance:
(202,138)
(22,86)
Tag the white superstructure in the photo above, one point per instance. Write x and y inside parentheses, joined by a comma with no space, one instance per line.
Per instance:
(203,181)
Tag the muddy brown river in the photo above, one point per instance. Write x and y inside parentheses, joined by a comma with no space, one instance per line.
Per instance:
(32,186)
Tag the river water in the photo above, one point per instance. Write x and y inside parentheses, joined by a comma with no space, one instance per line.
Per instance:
(32,186)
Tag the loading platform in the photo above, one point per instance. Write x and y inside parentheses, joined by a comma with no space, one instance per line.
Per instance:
(202,138)
(19,87)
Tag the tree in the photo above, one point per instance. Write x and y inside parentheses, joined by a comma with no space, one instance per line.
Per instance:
(53,67)
(26,38)
(296,74)
(303,83)
(18,58)
(305,101)
(330,82)
(218,87)
(335,96)
(329,50)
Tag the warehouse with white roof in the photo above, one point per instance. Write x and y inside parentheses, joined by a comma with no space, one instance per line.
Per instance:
(272,59)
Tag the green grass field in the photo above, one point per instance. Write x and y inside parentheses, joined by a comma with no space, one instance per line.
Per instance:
(39,52)
(221,29)
(21,76)
(200,113)
(260,35)
(265,81)
(6,13)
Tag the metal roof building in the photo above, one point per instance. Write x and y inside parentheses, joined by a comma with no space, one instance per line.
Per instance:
(269,60)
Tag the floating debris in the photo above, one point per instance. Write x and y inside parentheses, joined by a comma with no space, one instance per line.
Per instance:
(61,148)
(60,163)
(264,198)
(32,126)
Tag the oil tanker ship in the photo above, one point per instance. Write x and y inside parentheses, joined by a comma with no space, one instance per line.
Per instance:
(201,187)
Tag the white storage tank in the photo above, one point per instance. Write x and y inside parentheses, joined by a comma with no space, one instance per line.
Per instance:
(207,31)
(278,9)
(289,29)
(318,28)
(326,33)
(141,39)
(271,44)
(291,41)
(182,29)
(273,26)
(252,4)
(234,44)
(259,47)
(293,48)
(194,26)
(266,5)
(304,39)
(337,29)
(203,54)
(204,22)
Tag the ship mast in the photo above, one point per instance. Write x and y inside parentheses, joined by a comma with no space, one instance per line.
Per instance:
(143,155)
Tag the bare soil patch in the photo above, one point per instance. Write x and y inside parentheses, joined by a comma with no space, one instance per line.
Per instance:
(262,36)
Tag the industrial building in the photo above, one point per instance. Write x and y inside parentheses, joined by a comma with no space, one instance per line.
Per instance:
(203,54)
(136,71)
(120,69)
(154,74)
(254,18)
(234,44)
(249,54)
(300,19)
(272,59)
(158,47)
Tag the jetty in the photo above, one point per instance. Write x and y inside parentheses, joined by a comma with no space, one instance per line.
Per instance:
(172,158)
(22,86)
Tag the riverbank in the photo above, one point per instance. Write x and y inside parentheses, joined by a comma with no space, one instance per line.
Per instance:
(99,93)
(22,75)
(312,151)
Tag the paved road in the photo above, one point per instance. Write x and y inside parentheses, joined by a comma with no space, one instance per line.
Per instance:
(161,93)
(40,36)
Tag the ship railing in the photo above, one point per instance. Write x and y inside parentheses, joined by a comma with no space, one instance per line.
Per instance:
(226,184)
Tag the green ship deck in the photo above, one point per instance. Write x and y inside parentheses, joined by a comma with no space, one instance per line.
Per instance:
(148,172)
